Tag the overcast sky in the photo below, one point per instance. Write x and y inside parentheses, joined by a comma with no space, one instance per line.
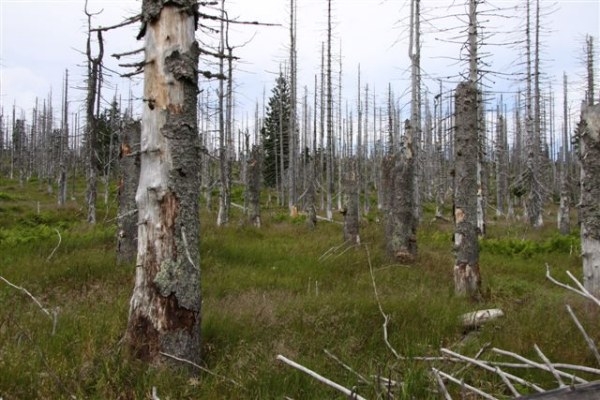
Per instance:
(39,39)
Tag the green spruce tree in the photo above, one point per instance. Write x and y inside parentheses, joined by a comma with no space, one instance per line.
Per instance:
(275,133)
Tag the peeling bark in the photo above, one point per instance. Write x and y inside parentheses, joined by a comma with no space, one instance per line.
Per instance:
(589,157)
(165,307)
(467,278)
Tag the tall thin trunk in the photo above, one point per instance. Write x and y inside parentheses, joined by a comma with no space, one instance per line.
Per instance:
(164,314)
(292,139)
(91,110)
(467,277)
(564,222)
(329,117)
(224,194)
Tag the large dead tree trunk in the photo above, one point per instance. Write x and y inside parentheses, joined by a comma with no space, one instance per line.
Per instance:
(164,314)
(589,157)
(467,278)
(402,218)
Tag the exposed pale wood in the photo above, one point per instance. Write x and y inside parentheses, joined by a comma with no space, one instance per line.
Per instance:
(351,394)
(480,317)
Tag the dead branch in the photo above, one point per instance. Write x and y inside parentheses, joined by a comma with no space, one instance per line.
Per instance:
(128,21)
(53,315)
(347,367)
(386,318)
(462,384)
(201,368)
(350,393)
(127,53)
(491,369)
(57,246)
(551,368)
(588,339)
(538,365)
(582,290)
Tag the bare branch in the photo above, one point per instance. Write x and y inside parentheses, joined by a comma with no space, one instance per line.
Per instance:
(350,393)
(128,21)
(57,246)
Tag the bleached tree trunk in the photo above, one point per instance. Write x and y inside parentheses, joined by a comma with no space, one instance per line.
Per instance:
(224,165)
(62,175)
(467,277)
(534,187)
(564,223)
(94,66)
(414,53)
(501,166)
(164,313)
(129,167)
(292,137)
(589,158)
(350,208)
(330,140)
(253,186)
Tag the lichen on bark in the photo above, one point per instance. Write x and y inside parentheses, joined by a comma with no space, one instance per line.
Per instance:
(467,278)
(589,156)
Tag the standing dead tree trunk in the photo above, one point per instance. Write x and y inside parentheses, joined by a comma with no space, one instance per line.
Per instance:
(402,220)
(129,166)
(467,278)
(253,186)
(589,158)
(563,220)
(92,99)
(164,315)
(350,209)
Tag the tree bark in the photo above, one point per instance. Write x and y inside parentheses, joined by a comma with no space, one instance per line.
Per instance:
(563,219)
(164,311)
(253,186)
(129,160)
(589,157)
(350,209)
(402,218)
(467,278)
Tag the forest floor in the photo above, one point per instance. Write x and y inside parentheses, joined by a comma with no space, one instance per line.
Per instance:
(285,290)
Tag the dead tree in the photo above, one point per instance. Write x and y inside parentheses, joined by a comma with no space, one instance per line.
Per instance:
(563,219)
(253,186)
(467,278)
(129,167)
(351,209)
(164,315)
(401,217)
(92,101)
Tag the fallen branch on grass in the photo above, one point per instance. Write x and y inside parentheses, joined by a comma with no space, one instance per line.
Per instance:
(386,318)
(53,315)
(57,246)
(582,291)
(201,368)
(350,393)
(462,384)
(588,339)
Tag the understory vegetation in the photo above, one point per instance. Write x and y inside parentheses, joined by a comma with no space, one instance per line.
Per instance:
(281,289)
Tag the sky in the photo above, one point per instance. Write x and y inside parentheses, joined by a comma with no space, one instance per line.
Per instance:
(39,39)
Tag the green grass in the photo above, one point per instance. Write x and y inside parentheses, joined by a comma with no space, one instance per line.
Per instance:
(270,291)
